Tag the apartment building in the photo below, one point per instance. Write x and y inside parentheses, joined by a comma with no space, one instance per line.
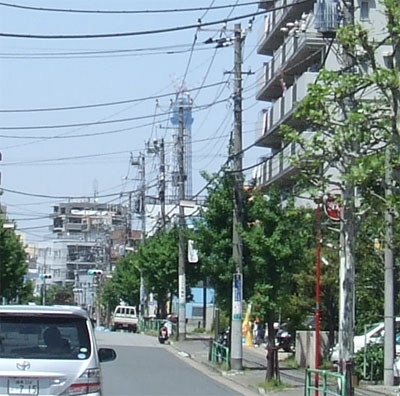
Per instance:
(297,38)
(87,235)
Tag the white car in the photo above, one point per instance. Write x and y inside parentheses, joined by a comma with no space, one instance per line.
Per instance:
(49,350)
(373,334)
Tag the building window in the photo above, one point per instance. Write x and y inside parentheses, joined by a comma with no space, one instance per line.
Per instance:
(364,10)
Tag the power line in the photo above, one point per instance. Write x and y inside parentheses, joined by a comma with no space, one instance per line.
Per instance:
(144,32)
(119,102)
(154,11)
(65,196)
(97,52)
(205,106)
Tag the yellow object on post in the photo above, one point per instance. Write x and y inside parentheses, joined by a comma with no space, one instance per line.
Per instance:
(246,327)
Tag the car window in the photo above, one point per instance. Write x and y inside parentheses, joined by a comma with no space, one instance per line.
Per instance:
(378,334)
(44,337)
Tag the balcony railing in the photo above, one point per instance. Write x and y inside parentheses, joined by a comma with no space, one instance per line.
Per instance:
(278,168)
(270,35)
(298,53)
(283,108)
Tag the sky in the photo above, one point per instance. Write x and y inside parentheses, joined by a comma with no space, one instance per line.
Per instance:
(78,140)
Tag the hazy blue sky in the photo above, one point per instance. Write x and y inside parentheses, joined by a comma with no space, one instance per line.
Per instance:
(53,73)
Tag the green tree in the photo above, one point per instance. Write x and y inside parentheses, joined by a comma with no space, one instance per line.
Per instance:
(125,283)
(59,294)
(214,238)
(158,261)
(13,264)
(352,121)
(278,238)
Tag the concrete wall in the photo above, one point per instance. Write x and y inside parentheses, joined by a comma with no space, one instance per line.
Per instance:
(305,347)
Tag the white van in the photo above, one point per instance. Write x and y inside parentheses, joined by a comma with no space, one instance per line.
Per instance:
(49,350)
(125,318)
(374,333)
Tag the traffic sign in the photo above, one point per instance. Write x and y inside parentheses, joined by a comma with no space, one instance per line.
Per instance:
(332,208)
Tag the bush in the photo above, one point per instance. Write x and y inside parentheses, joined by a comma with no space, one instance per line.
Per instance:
(373,360)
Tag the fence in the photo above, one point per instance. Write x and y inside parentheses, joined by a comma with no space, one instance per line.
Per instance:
(325,383)
(220,354)
(155,324)
(150,324)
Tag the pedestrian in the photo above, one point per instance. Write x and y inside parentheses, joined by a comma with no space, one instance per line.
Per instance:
(259,335)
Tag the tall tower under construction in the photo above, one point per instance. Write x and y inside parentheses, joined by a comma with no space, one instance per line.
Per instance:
(184,102)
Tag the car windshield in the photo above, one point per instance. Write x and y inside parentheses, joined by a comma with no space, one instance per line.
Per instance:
(44,337)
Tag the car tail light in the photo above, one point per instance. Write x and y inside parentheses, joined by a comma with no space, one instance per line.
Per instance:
(88,382)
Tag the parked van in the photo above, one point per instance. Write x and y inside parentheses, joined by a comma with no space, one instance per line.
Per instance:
(374,334)
(49,350)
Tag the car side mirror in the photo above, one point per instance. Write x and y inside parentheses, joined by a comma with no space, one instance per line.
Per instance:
(107,355)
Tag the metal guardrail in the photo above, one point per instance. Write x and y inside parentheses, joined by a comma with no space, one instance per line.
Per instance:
(221,354)
(325,383)
(150,324)
(155,324)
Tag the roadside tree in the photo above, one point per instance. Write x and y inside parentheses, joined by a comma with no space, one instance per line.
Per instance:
(158,261)
(352,119)
(13,264)
(278,237)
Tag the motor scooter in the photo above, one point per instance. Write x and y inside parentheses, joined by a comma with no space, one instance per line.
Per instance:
(284,339)
(163,334)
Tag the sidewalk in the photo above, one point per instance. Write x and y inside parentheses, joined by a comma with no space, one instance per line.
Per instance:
(254,370)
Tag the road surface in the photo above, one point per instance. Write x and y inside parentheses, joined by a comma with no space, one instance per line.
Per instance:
(145,367)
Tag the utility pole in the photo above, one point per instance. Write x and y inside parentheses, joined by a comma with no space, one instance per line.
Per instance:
(237,253)
(162,183)
(389,309)
(389,340)
(128,222)
(347,250)
(143,239)
(182,247)
(141,162)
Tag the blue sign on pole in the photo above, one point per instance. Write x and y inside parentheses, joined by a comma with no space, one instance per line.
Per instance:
(237,279)
(237,296)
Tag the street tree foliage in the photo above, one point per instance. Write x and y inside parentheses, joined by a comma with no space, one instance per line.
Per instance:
(305,281)
(214,238)
(158,261)
(13,264)
(124,284)
(352,121)
(278,237)
(59,294)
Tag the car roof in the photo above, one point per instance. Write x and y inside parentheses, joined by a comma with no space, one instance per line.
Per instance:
(44,310)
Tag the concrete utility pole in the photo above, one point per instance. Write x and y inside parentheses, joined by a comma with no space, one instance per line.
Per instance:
(141,162)
(389,340)
(182,246)
(128,221)
(237,253)
(162,183)
(143,239)
(389,311)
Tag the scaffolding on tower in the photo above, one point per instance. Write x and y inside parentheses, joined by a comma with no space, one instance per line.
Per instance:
(183,100)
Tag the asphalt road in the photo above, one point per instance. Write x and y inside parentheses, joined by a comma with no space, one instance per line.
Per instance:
(144,367)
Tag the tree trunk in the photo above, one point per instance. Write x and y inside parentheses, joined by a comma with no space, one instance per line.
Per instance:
(270,350)
(347,287)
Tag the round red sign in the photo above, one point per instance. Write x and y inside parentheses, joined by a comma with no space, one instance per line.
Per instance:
(332,208)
